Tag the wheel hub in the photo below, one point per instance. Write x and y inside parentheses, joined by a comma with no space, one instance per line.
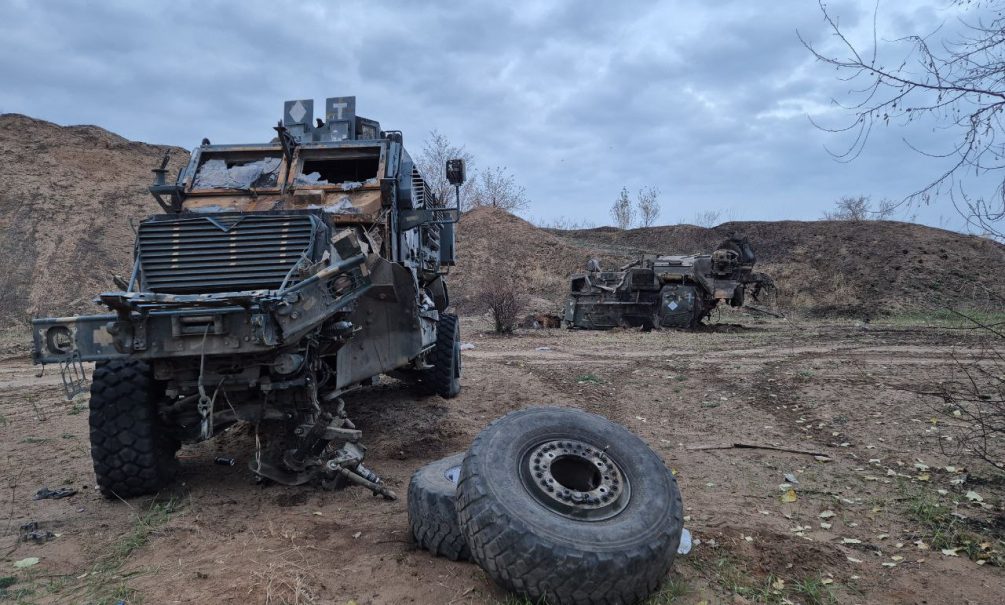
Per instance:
(575,479)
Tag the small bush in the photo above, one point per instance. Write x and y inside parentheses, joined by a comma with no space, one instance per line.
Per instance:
(505,296)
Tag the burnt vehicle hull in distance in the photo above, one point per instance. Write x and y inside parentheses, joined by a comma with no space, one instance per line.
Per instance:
(663,291)
(279,277)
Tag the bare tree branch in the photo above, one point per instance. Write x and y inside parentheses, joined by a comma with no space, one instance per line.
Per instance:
(496,187)
(622,210)
(648,203)
(959,83)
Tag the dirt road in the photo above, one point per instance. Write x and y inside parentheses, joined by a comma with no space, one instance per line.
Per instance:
(867,525)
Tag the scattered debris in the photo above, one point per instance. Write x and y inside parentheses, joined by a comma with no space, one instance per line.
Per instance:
(31,533)
(224,461)
(54,494)
(685,542)
(974,496)
(540,321)
(754,446)
(25,563)
(467,346)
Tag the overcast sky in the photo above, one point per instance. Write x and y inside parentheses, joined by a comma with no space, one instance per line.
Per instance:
(708,101)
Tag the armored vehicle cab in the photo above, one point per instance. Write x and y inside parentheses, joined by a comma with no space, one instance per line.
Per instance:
(279,277)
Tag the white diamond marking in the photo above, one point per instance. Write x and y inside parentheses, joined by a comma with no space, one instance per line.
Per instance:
(298,111)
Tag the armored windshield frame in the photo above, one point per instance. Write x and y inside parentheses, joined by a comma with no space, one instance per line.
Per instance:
(203,154)
(348,151)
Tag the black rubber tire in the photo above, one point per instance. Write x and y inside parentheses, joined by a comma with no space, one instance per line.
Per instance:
(132,453)
(432,513)
(538,553)
(738,295)
(444,378)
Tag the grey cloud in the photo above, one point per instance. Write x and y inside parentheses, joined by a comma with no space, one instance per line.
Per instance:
(705,100)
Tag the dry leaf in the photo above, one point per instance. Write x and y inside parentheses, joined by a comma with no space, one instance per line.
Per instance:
(23,563)
(827,514)
(789,496)
(850,541)
(951,552)
(974,496)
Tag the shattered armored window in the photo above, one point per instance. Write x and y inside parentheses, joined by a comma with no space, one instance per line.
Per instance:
(357,166)
(238,173)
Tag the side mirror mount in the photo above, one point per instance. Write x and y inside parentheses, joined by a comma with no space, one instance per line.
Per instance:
(455,172)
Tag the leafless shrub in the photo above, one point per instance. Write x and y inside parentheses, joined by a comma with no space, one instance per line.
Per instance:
(505,296)
(648,204)
(972,400)
(860,208)
(564,223)
(496,187)
(707,218)
(622,211)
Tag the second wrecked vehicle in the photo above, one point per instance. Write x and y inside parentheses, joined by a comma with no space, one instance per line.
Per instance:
(664,291)
(279,277)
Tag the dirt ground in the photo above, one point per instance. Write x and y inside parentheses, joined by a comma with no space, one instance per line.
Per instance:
(868,524)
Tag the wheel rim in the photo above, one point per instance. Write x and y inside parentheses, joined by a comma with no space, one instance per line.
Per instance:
(575,479)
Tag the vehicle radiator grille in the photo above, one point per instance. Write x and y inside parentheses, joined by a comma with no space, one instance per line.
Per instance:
(222,254)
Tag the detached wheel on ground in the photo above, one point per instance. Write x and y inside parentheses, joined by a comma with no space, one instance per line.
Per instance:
(563,506)
(132,453)
(444,378)
(432,512)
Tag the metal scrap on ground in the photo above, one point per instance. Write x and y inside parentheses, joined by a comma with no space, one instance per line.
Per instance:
(664,291)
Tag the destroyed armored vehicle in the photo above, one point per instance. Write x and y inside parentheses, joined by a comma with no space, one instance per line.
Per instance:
(663,291)
(279,277)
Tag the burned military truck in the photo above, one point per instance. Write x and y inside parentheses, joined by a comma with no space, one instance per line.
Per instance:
(279,277)
(663,291)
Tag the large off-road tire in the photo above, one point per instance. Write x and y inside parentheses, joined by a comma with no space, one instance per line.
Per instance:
(561,506)
(132,453)
(432,513)
(444,378)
